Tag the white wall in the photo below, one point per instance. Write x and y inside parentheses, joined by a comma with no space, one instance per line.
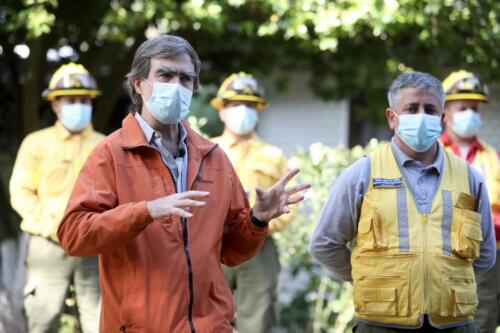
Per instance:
(296,118)
(490,115)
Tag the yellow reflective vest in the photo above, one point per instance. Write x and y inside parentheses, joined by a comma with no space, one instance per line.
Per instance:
(257,164)
(47,165)
(405,263)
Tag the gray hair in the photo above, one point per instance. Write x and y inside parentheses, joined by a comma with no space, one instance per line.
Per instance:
(418,80)
(162,47)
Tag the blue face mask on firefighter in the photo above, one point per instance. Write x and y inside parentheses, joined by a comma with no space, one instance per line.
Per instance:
(241,119)
(466,123)
(169,102)
(418,131)
(75,117)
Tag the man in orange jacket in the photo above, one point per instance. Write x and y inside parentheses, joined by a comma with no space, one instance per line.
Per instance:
(163,207)
(464,96)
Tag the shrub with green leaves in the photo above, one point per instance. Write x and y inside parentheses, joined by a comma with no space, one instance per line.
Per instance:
(311,300)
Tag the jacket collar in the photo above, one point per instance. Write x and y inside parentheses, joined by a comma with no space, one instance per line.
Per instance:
(64,134)
(134,136)
(475,143)
(230,141)
(198,147)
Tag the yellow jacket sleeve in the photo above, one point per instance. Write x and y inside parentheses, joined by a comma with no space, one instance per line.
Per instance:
(24,185)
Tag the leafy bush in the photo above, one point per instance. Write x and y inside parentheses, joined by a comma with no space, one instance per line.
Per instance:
(311,300)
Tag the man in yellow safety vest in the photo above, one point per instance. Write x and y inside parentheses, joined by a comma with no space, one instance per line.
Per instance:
(420,220)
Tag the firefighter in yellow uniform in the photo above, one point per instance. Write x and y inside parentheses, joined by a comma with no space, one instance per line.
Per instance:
(420,220)
(465,94)
(239,100)
(47,165)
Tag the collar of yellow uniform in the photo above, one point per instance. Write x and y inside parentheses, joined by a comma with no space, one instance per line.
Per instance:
(64,134)
(231,141)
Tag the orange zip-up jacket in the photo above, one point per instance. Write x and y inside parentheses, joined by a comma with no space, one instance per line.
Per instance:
(159,275)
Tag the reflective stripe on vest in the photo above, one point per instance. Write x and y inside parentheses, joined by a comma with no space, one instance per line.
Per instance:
(406,263)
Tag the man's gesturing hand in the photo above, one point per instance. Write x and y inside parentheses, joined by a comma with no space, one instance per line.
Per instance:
(176,204)
(274,202)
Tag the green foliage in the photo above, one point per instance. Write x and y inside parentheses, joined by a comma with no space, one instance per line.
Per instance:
(318,303)
(354,48)
(200,108)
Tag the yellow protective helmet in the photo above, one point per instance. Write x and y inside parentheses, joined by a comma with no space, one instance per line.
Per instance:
(70,80)
(240,87)
(460,85)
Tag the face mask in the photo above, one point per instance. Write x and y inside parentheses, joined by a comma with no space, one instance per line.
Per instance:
(466,123)
(241,119)
(418,131)
(169,102)
(75,117)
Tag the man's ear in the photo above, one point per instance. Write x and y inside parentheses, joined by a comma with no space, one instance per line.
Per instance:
(222,114)
(56,106)
(391,118)
(444,117)
(137,85)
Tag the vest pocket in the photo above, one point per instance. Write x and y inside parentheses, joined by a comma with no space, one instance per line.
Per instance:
(371,234)
(458,297)
(466,235)
(382,296)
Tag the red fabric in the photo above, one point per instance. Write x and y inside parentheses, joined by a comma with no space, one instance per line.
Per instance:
(143,268)
(474,147)
(496,223)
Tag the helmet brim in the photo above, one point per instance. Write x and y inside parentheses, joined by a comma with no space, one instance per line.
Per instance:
(218,103)
(50,95)
(466,96)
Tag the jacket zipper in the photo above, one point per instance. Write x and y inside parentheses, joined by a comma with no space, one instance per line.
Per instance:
(185,240)
(187,253)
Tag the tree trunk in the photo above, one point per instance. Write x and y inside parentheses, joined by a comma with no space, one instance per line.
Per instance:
(31,87)
(113,83)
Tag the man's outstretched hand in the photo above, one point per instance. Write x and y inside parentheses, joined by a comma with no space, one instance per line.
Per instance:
(274,202)
(176,204)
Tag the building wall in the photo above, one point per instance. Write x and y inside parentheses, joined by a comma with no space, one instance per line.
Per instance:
(490,116)
(297,118)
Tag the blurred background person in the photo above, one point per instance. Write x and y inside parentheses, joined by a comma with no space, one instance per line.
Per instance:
(465,94)
(47,165)
(239,100)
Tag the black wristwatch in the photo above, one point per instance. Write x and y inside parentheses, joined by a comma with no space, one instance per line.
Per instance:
(257,222)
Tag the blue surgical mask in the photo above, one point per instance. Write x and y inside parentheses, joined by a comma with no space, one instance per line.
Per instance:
(419,131)
(75,117)
(169,102)
(241,119)
(466,123)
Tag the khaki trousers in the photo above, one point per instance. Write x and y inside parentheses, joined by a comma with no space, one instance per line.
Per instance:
(254,285)
(50,272)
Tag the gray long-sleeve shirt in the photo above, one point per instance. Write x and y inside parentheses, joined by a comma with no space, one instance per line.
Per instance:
(339,218)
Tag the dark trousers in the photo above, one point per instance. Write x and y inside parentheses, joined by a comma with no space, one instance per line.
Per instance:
(488,293)
(426,328)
